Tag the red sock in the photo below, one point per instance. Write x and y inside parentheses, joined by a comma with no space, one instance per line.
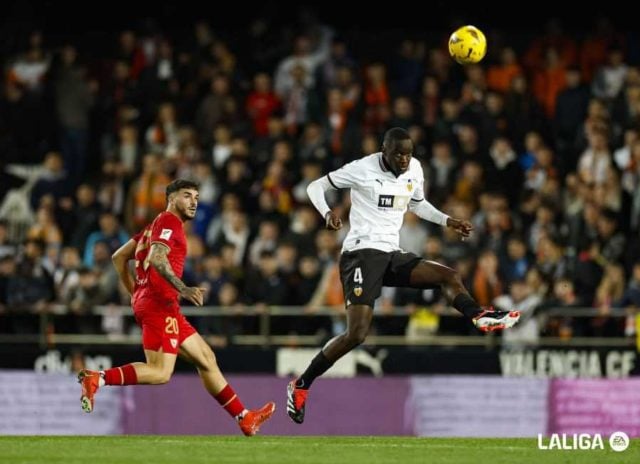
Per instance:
(124,375)
(229,401)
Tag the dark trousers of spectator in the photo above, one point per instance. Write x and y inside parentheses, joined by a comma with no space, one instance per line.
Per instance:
(73,144)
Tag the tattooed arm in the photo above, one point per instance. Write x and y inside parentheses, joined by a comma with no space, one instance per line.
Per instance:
(160,262)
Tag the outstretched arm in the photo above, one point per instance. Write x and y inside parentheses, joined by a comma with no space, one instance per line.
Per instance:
(160,262)
(316,191)
(121,259)
(422,208)
(427,211)
(464,228)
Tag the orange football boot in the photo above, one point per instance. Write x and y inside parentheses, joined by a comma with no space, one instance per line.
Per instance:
(90,381)
(253,419)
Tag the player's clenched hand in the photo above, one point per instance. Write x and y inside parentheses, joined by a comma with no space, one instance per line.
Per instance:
(193,294)
(333,221)
(463,228)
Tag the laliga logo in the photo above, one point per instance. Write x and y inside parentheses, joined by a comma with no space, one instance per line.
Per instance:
(618,441)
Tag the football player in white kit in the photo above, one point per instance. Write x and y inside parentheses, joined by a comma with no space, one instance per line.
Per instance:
(383,185)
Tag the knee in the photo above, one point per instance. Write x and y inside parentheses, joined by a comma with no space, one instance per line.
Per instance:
(451,277)
(161,377)
(357,335)
(208,360)
(164,378)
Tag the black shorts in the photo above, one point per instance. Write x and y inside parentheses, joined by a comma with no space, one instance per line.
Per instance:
(364,272)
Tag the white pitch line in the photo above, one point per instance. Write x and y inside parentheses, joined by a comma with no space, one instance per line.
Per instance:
(368,445)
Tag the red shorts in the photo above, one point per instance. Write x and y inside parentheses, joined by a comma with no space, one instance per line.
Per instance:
(162,330)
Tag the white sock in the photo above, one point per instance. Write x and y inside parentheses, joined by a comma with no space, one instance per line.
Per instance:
(101,382)
(241,415)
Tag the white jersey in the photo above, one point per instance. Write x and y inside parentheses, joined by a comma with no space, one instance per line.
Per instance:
(379,200)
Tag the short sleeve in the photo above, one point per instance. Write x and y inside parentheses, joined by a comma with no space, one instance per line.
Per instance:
(165,229)
(136,238)
(346,176)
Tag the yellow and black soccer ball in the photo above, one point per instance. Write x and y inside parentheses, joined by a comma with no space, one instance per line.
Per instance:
(467,45)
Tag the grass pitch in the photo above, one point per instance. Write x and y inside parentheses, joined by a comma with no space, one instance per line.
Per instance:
(292,450)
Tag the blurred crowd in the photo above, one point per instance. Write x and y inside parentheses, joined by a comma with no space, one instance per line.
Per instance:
(538,145)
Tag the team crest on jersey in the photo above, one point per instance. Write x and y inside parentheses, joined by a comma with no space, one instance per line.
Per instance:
(409,185)
(166,234)
(357,291)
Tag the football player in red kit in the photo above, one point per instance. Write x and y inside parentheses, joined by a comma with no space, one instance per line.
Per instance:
(159,252)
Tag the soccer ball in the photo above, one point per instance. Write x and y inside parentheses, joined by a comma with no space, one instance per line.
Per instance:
(467,45)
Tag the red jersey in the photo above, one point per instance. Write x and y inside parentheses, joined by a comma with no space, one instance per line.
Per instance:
(167,229)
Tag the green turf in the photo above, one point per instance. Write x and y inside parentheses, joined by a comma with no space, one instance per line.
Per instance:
(291,450)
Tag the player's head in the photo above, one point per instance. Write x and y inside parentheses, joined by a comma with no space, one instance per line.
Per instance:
(182,198)
(397,149)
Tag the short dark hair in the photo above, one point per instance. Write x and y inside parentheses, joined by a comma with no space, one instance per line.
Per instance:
(266,253)
(609,214)
(181,184)
(40,243)
(396,134)
(84,270)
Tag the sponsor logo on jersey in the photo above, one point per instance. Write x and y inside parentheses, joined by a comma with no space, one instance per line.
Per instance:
(385,201)
(392,202)
(166,234)
(357,291)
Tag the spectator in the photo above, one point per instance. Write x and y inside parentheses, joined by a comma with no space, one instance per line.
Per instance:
(7,272)
(499,76)
(218,106)
(265,286)
(441,172)
(109,232)
(74,99)
(611,241)
(49,178)
(105,272)
(66,274)
(30,290)
(311,170)
(412,233)
(46,230)
(146,197)
(266,240)
(564,296)
(516,262)
(80,301)
(631,296)
(609,78)
(306,56)
(526,333)
(487,284)
(261,103)
(6,248)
